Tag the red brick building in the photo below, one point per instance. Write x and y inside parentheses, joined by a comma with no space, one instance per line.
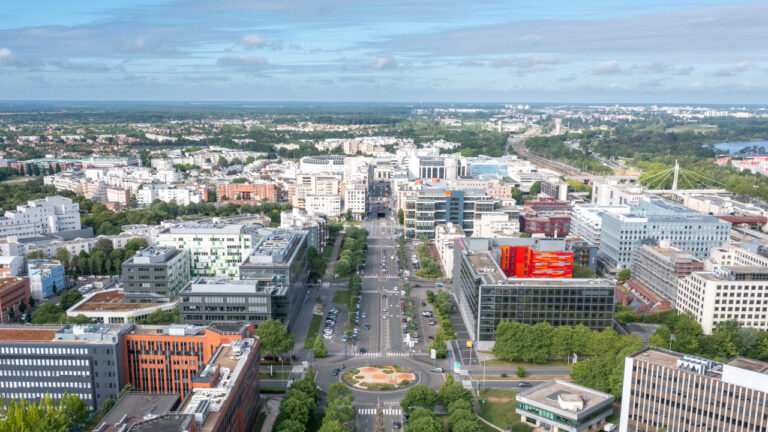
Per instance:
(249,192)
(13,292)
(550,226)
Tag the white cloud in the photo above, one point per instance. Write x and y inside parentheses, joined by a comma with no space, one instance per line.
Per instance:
(252,41)
(611,67)
(242,62)
(735,69)
(8,58)
(384,62)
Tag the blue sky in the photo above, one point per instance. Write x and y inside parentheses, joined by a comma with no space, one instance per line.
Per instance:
(625,51)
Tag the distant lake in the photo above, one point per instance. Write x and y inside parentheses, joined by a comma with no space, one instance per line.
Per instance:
(733,147)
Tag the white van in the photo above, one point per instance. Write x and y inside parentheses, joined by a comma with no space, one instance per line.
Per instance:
(610,427)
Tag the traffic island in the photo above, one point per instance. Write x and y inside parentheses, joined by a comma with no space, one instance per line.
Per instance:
(379,377)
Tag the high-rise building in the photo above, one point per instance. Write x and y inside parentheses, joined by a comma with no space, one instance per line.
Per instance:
(659,219)
(41,216)
(730,293)
(155,274)
(355,199)
(486,295)
(587,219)
(659,267)
(555,188)
(85,361)
(215,250)
(280,259)
(166,359)
(436,206)
(685,393)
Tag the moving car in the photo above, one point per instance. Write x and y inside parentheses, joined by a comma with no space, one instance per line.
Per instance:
(335,371)
(436,369)
(523,384)
(362,349)
(396,425)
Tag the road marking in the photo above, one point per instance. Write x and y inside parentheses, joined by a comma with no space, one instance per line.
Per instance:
(386,354)
(387,411)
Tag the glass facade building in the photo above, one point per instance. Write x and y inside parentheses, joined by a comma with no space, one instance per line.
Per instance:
(437,207)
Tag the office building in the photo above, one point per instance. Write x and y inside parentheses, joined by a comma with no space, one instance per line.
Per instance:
(137,407)
(110,306)
(322,164)
(155,274)
(328,205)
(587,219)
(555,188)
(249,192)
(280,259)
(746,253)
(355,199)
(14,291)
(659,219)
(730,293)
(41,216)
(445,236)
(431,207)
(437,167)
(215,249)
(612,193)
(685,393)
(315,225)
(486,295)
(12,266)
(660,266)
(558,405)
(206,300)
(166,359)
(550,226)
(547,206)
(46,278)
(85,361)
(502,223)
(526,262)
(584,253)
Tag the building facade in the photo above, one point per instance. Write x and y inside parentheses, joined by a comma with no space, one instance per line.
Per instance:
(249,192)
(315,224)
(730,293)
(41,216)
(428,209)
(85,361)
(155,274)
(183,196)
(207,300)
(445,236)
(214,249)
(660,267)
(685,393)
(526,262)
(587,219)
(12,266)
(14,291)
(658,219)
(46,278)
(558,405)
(550,226)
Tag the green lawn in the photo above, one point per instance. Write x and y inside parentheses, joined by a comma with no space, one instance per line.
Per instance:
(260,422)
(499,407)
(314,327)
(341,296)
(327,251)
(500,362)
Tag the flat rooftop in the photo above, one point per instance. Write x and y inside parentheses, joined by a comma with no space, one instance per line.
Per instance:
(659,357)
(547,394)
(28,334)
(749,364)
(111,300)
(486,268)
(7,283)
(134,406)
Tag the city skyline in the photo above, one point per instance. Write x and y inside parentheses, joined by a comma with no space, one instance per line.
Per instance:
(410,51)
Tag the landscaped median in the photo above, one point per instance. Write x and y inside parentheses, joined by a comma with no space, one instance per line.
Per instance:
(379,377)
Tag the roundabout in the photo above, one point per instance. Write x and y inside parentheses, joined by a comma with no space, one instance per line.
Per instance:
(379,378)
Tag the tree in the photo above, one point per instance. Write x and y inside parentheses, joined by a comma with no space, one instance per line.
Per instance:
(48,313)
(461,415)
(319,349)
(624,275)
(136,244)
(222,162)
(467,426)
(249,160)
(22,307)
(419,396)
(561,341)
(275,339)
(333,426)
(460,404)
(294,408)
(69,298)
(11,312)
(582,272)
(161,317)
(401,216)
(520,427)
(338,390)
(451,391)
(425,424)
(107,405)
(290,425)
(521,372)
(660,337)
(62,254)
(535,189)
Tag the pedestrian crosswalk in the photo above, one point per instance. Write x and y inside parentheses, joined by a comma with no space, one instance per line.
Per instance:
(387,411)
(375,276)
(376,354)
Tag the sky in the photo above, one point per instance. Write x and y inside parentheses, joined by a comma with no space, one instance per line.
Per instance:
(585,51)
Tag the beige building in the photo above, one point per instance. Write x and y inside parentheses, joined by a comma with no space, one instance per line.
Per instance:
(444,241)
(685,393)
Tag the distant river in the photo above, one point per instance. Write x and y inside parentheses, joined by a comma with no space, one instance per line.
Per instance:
(733,147)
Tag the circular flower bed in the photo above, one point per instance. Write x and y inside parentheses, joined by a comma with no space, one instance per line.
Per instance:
(379,377)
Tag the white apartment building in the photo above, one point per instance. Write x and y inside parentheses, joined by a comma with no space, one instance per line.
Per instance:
(315,184)
(730,293)
(355,197)
(611,193)
(216,250)
(490,223)
(444,240)
(733,255)
(168,193)
(41,216)
(586,220)
(328,205)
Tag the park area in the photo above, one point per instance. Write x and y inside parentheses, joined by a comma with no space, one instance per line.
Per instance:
(498,407)
(379,377)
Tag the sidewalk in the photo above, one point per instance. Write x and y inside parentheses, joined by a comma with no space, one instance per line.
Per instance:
(272,407)
(334,255)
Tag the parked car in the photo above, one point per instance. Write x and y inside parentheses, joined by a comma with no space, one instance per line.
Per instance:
(396,425)
(362,349)
(436,369)
(335,371)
